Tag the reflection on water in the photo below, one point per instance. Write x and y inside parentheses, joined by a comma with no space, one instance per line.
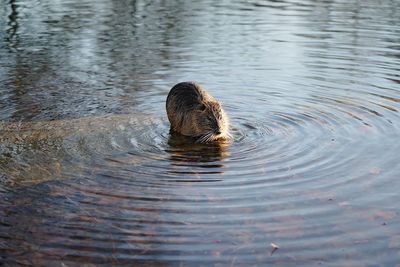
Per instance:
(89,173)
(193,160)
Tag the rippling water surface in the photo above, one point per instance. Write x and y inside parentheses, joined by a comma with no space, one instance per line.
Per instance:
(89,172)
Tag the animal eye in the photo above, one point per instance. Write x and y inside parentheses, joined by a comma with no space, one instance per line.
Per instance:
(202,107)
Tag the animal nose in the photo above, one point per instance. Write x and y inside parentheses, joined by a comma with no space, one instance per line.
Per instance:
(218,132)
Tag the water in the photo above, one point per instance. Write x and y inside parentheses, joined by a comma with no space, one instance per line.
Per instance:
(90,175)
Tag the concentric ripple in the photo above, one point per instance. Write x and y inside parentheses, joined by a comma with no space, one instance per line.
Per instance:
(89,173)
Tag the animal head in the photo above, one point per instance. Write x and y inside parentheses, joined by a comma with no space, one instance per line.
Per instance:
(211,121)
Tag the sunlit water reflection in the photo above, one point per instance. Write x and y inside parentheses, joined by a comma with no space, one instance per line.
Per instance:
(90,173)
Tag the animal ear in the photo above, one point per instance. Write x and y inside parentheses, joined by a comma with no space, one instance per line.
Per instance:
(202,107)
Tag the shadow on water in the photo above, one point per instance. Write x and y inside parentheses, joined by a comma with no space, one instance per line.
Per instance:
(34,152)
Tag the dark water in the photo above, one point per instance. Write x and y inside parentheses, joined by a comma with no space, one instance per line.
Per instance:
(89,173)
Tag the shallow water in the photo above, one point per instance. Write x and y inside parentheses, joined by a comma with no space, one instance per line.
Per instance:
(90,174)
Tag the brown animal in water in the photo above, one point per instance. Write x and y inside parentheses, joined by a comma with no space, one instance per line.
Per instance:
(194,112)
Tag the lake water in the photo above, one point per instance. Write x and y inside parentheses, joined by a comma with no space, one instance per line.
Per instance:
(90,175)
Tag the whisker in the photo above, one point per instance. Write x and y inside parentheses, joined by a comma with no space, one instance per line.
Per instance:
(210,137)
(203,138)
(200,139)
(207,138)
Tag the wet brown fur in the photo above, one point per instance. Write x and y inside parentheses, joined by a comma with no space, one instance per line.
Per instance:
(194,112)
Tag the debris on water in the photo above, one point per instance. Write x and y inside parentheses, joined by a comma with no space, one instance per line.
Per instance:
(375,170)
(216,253)
(275,247)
